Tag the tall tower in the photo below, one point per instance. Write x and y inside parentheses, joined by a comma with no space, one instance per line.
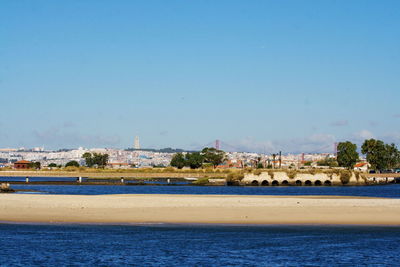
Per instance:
(217,144)
(137,143)
(335,149)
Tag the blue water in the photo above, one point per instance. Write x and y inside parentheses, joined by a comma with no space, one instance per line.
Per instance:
(390,191)
(74,179)
(39,179)
(174,245)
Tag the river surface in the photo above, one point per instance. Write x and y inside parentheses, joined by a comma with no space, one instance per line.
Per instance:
(390,191)
(196,245)
(200,245)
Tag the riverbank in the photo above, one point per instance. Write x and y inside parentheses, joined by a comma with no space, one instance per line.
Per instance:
(229,209)
(253,177)
(116,174)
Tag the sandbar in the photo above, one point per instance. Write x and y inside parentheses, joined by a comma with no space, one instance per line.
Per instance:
(199,209)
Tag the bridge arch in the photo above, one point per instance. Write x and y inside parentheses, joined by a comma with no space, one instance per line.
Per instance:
(317,183)
(254,183)
(299,183)
(265,183)
(275,183)
(308,183)
(285,183)
(327,183)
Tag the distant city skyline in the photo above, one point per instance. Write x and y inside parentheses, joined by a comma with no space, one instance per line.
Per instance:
(262,76)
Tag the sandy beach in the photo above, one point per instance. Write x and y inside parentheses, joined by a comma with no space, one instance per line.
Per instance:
(116,209)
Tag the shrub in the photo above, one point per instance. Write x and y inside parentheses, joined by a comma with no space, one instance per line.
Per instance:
(238,176)
(345,176)
(291,173)
(257,172)
(312,171)
(72,163)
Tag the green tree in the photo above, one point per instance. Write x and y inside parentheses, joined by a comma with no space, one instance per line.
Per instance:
(392,156)
(72,163)
(347,154)
(213,156)
(88,159)
(52,165)
(376,153)
(330,162)
(194,160)
(35,165)
(178,161)
(98,159)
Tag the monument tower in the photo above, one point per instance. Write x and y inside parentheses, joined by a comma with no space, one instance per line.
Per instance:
(137,143)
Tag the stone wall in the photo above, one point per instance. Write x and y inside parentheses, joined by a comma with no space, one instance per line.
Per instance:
(278,178)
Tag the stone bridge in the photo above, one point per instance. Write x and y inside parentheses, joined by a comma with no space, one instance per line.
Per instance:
(286,178)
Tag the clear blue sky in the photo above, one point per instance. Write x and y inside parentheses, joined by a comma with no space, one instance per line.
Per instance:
(259,75)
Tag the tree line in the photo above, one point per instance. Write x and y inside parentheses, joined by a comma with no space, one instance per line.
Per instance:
(381,156)
(95,159)
(91,160)
(195,160)
(72,163)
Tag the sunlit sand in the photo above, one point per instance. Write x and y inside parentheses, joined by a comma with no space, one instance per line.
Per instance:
(199,209)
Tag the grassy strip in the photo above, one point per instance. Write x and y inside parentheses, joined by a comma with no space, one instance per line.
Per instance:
(132,170)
